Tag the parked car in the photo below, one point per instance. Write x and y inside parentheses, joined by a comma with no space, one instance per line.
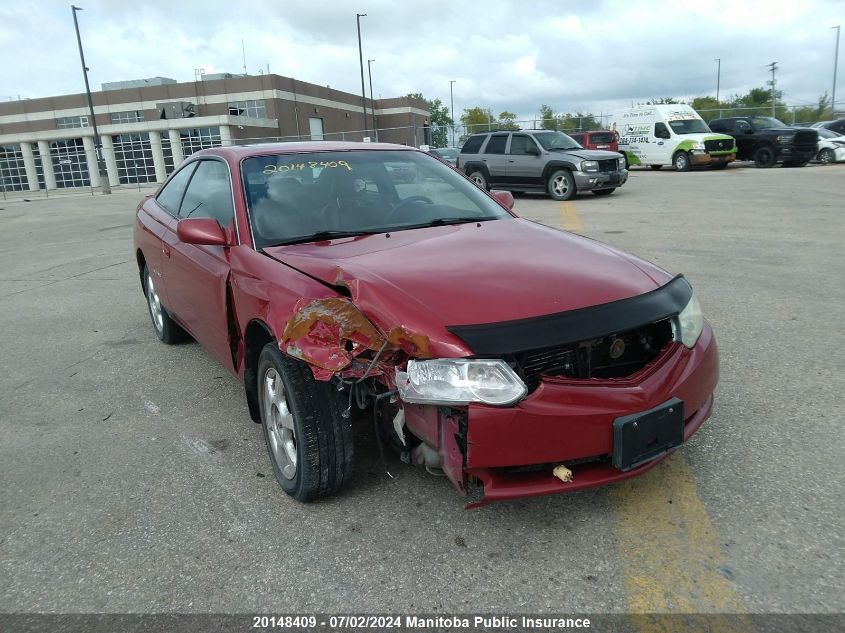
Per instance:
(508,354)
(596,139)
(837,126)
(767,141)
(831,147)
(540,160)
(448,155)
(670,134)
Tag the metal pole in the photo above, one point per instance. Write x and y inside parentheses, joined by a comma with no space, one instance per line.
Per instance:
(718,82)
(98,149)
(358,17)
(372,107)
(452,109)
(774,67)
(835,65)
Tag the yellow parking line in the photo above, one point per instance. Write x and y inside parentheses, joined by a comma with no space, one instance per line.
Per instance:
(670,551)
(569,218)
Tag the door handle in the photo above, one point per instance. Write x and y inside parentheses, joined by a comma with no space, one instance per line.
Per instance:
(165,251)
(483,160)
(510,161)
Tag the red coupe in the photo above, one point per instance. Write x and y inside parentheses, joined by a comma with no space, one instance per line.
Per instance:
(511,356)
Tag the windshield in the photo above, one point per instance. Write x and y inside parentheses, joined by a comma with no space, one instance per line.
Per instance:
(556,140)
(689,126)
(766,122)
(305,197)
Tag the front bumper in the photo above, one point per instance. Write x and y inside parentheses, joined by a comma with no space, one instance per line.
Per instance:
(592,180)
(569,422)
(698,158)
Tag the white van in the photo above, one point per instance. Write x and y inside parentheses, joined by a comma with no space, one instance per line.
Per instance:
(671,134)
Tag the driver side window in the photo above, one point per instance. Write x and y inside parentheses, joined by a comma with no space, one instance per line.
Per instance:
(209,194)
(661,131)
(523,145)
(742,126)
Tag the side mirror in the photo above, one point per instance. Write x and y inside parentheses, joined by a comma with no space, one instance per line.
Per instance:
(203,231)
(505,198)
(532,150)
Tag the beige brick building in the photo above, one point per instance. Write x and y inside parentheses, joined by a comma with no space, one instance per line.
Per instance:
(149,126)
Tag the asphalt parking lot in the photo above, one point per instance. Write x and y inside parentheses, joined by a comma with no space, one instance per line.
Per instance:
(134,480)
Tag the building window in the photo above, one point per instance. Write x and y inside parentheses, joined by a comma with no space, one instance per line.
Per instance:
(315,126)
(39,166)
(253,108)
(167,150)
(69,122)
(195,139)
(132,116)
(69,163)
(12,168)
(134,156)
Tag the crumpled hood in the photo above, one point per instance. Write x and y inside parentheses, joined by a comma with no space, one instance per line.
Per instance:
(487,272)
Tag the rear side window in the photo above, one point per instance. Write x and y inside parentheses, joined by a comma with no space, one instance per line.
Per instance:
(496,144)
(473,145)
(209,193)
(720,125)
(171,196)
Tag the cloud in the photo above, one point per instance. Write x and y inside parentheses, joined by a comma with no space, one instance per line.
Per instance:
(588,56)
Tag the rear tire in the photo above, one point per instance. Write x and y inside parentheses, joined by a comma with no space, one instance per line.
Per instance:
(604,192)
(764,157)
(681,161)
(165,328)
(309,442)
(826,156)
(561,185)
(656,167)
(478,177)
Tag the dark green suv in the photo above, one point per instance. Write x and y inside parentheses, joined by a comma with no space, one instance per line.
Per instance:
(540,160)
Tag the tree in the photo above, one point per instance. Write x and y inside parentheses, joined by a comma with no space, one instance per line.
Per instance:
(507,121)
(477,119)
(548,119)
(440,119)
(662,101)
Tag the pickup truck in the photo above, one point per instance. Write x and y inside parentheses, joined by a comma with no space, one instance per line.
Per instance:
(767,141)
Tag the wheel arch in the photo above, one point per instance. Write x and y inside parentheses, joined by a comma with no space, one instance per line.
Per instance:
(256,336)
(553,166)
(142,263)
(474,165)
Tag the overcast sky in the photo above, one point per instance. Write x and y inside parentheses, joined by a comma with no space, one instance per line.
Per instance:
(588,55)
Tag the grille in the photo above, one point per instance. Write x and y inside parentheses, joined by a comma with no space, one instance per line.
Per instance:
(594,359)
(719,145)
(808,138)
(608,165)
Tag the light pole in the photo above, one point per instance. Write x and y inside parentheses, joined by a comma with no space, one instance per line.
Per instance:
(98,149)
(835,64)
(773,67)
(358,17)
(372,106)
(718,81)
(452,109)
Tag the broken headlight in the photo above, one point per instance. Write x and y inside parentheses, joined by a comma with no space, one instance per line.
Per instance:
(459,381)
(687,327)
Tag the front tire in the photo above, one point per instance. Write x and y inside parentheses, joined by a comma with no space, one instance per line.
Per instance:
(764,157)
(165,328)
(478,177)
(309,442)
(826,156)
(681,161)
(604,192)
(561,185)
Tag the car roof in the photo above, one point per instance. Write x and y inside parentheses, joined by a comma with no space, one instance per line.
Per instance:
(237,152)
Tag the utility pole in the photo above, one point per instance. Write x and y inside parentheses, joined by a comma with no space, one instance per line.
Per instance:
(358,17)
(452,109)
(98,148)
(372,106)
(718,81)
(773,66)
(835,64)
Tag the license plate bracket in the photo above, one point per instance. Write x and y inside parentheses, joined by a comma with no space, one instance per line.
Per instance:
(641,437)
